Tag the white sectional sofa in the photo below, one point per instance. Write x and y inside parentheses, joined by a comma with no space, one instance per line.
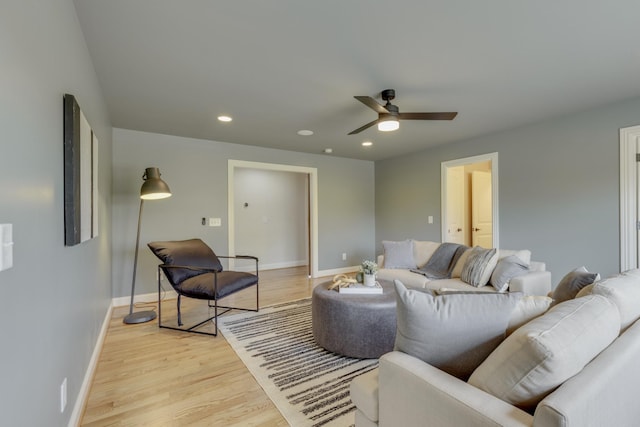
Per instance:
(575,365)
(414,254)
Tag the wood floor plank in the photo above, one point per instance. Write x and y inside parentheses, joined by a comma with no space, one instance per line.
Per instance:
(148,376)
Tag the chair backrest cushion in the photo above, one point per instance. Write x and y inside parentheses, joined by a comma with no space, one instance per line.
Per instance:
(192,252)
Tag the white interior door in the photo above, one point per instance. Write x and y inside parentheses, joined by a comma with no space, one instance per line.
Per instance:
(455,206)
(481,209)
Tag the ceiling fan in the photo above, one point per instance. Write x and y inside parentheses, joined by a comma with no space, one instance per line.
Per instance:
(389,115)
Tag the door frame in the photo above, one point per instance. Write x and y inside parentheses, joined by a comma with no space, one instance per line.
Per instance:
(629,146)
(313,203)
(444,166)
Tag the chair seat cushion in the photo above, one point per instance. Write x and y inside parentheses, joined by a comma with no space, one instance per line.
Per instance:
(203,286)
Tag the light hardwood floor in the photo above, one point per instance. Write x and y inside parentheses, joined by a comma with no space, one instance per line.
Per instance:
(148,376)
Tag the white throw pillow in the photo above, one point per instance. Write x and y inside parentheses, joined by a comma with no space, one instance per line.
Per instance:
(457,269)
(398,254)
(453,332)
(548,350)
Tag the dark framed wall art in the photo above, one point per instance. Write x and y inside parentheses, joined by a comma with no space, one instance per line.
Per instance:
(80,175)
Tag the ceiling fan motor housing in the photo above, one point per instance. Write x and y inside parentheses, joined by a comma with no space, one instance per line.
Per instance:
(388,94)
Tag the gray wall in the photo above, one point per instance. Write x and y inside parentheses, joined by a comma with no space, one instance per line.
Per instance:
(558,189)
(55,298)
(196,171)
(273,225)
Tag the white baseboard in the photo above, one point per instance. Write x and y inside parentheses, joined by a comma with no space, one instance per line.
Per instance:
(343,270)
(83,394)
(146,298)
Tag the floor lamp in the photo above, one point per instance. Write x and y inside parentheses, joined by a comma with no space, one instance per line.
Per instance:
(153,188)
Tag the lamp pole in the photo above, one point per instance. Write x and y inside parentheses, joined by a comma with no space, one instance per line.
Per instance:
(153,188)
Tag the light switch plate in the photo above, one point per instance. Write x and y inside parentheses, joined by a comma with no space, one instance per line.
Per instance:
(215,222)
(6,246)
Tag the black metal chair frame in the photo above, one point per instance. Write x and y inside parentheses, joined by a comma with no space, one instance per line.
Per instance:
(215,305)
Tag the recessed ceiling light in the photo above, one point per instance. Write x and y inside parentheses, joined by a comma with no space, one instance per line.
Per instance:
(327,150)
(224,118)
(367,144)
(305,132)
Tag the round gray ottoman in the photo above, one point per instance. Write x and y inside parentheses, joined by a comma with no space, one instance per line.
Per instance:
(354,325)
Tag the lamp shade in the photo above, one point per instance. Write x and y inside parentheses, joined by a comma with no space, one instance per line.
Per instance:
(153,187)
(388,124)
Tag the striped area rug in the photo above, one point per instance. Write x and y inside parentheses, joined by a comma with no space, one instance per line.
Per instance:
(308,385)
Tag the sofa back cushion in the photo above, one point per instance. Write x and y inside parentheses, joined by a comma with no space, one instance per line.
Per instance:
(624,290)
(423,251)
(527,309)
(523,254)
(453,332)
(548,350)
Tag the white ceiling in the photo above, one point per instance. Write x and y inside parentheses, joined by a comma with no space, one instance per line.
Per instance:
(278,66)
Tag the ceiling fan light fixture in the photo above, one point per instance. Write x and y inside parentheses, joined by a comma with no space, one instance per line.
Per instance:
(388,125)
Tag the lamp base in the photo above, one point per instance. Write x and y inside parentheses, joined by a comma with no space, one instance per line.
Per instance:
(139,317)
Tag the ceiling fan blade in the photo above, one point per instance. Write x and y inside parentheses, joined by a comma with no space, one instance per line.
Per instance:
(427,116)
(360,129)
(371,103)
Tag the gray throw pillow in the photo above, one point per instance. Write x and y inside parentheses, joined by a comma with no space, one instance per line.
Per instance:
(479,266)
(398,254)
(453,332)
(506,269)
(571,284)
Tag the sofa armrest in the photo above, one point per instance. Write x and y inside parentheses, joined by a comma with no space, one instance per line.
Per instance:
(413,393)
(532,283)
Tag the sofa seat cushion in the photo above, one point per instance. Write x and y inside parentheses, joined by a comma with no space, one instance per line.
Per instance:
(453,332)
(447,285)
(364,393)
(548,350)
(412,280)
(624,290)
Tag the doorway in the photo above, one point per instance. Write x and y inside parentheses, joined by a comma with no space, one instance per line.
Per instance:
(629,198)
(469,198)
(310,176)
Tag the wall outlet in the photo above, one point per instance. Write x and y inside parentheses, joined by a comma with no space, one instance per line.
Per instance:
(63,395)
(344,256)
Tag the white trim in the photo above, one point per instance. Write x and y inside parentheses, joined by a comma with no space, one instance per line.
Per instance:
(629,138)
(152,297)
(313,202)
(493,158)
(83,394)
(341,270)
